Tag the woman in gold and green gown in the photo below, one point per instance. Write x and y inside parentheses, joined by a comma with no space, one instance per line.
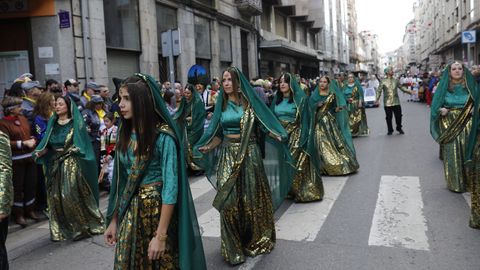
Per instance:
(329,122)
(247,189)
(70,167)
(290,105)
(450,123)
(151,215)
(357,118)
(473,152)
(190,118)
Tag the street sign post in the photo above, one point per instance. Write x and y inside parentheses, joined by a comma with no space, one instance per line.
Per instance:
(469,38)
(171,47)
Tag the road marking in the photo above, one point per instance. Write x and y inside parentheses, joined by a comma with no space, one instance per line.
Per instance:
(303,221)
(398,220)
(200,187)
(312,216)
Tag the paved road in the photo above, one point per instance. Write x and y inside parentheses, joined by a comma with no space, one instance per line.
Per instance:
(395,213)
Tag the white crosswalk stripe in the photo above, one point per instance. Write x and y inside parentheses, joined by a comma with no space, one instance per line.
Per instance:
(398,220)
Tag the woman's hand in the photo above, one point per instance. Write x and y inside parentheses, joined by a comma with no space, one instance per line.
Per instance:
(320,104)
(110,235)
(30,143)
(443,111)
(41,153)
(360,104)
(204,149)
(350,100)
(156,248)
(276,137)
(337,109)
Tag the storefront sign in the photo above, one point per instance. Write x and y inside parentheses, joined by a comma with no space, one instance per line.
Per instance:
(64,19)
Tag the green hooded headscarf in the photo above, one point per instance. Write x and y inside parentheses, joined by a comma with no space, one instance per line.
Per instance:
(81,140)
(359,87)
(438,101)
(341,116)
(196,109)
(280,186)
(191,255)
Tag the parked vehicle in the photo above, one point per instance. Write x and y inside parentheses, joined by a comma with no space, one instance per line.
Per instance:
(369,96)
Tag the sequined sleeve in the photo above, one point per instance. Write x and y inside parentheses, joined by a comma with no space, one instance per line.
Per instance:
(6,187)
(168,154)
(379,91)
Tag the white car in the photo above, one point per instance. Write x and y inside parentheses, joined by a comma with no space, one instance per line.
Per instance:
(369,96)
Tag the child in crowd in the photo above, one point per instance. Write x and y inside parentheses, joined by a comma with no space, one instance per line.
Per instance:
(108,139)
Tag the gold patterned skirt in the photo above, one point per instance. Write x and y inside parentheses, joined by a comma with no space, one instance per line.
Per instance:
(137,229)
(475,195)
(247,224)
(72,209)
(453,153)
(357,119)
(335,155)
(307,184)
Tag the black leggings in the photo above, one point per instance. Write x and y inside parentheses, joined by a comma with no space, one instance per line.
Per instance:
(393,110)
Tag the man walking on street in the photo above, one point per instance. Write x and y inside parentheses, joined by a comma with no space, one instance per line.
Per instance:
(391,102)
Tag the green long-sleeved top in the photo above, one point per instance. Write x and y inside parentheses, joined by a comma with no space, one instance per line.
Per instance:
(457,98)
(286,111)
(162,167)
(389,87)
(6,186)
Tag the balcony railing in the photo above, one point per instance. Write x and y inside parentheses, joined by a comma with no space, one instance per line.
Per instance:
(249,7)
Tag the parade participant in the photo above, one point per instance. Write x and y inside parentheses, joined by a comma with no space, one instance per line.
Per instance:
(32,92)
(6,195)
(357,118)
(473,153)
(190,118)
(71,175)
(391,102)
(450,122)
(151,215)
(329,122)
(22,143)
(290,105)
(108,141)
(243,198)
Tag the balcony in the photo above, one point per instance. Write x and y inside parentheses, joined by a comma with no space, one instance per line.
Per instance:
(249,7)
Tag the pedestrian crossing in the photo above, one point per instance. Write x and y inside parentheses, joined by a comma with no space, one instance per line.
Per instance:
(398,219)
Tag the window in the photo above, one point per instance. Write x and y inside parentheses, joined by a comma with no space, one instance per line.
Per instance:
(202,38)
(294,31)
(122,28)
(225,40)
(166,19)
(280,24)
(266,18)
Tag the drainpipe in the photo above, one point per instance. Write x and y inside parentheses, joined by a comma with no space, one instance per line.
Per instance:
(87,51)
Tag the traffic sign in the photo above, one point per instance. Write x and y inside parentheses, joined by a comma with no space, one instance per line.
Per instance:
(469,37)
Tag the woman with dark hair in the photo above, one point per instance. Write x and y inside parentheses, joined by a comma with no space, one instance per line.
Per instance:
(22,143)
(236,169)
(357,118)
(450,122)
(329,122)
(190,118)
(169,98)
(151,215)
(290,105)
(71,175)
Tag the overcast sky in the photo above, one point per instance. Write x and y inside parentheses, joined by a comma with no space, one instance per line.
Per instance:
(387,19)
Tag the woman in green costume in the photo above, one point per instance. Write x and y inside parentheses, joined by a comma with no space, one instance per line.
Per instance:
(450,123)
(190,118)
(356,111)
(236,169)
(329,122)
(290,105)
(70,167)
(151,215)
(473,153)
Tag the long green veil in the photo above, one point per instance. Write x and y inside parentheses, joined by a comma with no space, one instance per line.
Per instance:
(279,184)
(191,255)
(439,97)
(341,116)
(83,149)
